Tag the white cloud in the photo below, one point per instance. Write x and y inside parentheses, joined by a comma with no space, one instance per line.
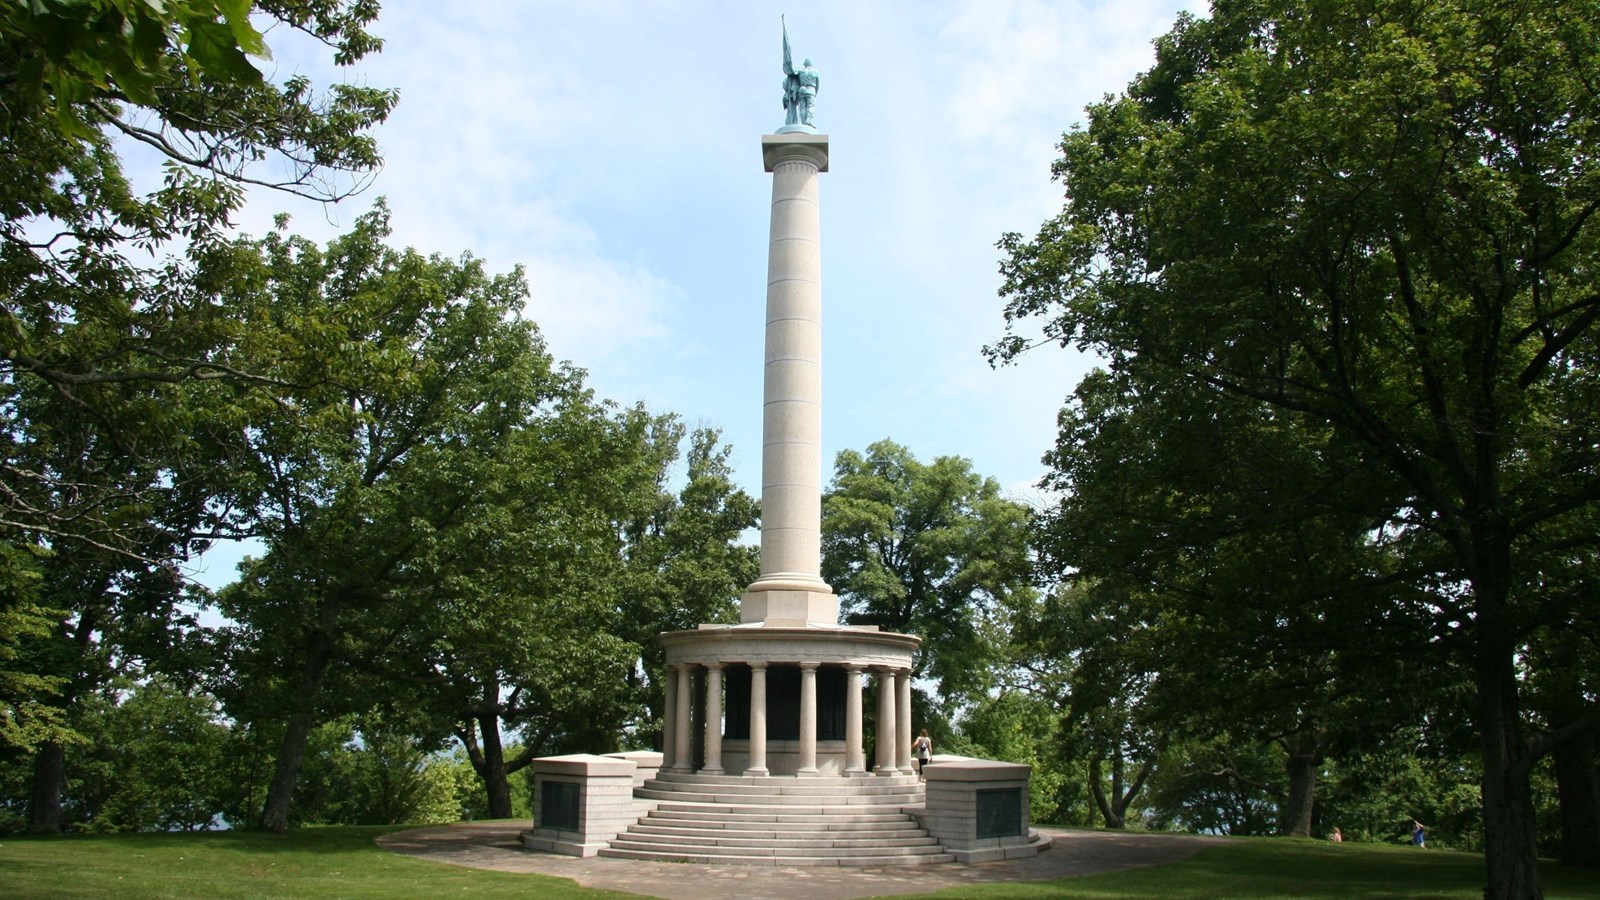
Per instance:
(611,149)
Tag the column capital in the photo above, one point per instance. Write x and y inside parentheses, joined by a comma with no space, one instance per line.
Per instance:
(778,148)
(810,665)
(759,666)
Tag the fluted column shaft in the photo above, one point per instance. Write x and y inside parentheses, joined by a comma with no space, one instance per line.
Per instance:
(808,719)
(902,729)
(669,720)
(683,734)
(713,764)
(855,760)
(886,723)
(791,433)
(758,719)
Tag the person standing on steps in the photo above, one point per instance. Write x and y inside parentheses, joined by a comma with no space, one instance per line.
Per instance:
(923,747)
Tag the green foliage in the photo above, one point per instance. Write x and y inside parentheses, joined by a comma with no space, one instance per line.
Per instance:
(1376,796)
(1017,727)
(472,804)
(148,756)
(410,432)
(128,49)
(1215,787)
(930,549)
(369,774)
(120,364)
(1371,227)
(29,710)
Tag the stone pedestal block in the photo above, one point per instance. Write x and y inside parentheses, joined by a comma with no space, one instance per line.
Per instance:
(646,764)
(581,802)
(978,808)
(789,608)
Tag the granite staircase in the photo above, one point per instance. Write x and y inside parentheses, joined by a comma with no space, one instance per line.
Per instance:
(780,821)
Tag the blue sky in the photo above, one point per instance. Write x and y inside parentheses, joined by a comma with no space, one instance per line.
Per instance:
(613,149)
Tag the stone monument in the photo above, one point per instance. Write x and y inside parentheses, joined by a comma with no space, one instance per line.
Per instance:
(763,748)
(781,693)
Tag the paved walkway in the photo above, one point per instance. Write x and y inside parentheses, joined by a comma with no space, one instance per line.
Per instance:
(494,845)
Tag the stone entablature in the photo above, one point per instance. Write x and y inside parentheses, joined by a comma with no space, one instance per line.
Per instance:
(829,646)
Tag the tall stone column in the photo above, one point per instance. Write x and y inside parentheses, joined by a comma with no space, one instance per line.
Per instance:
(902,728)
(808,719)
(855,761)
(683,734)
(713,764)
(758,719)
(790,591)
(669,720)
(886,722)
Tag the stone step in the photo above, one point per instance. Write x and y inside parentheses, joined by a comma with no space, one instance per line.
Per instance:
(840,853)
(778,841)
(794,829)
(787,790)
(706,812)
(893,801)
(804,787)
(823,780)
(794,861)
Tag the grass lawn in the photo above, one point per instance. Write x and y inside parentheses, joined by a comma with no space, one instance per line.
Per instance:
(344,862)
(306,862)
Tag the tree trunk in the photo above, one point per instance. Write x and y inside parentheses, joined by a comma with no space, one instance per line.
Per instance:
(1304,760)
(1578,787)
(292,752)
(1510,837)
(1108,811)
(49,774)
(493,770)
(1114,809)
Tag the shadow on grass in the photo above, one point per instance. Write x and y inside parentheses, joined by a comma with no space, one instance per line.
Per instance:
(311,839)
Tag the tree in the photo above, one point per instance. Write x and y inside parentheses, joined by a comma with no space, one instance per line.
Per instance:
(112,338)
(94,322)
(527,600)
(550,603)
(1379,220)
(928,549)
(401,376)
(1210,556)
(685,562)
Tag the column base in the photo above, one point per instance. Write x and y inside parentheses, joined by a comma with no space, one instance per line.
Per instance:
(807,773)
(886,771)
(788,606)
(708,770)
(758,772)
(857,773)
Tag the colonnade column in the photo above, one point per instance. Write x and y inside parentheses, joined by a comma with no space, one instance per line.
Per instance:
(855,762)
(886,723)
(808,718)
(683,732)
(669,720)
(902,728)
(713,764)
(758,719)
